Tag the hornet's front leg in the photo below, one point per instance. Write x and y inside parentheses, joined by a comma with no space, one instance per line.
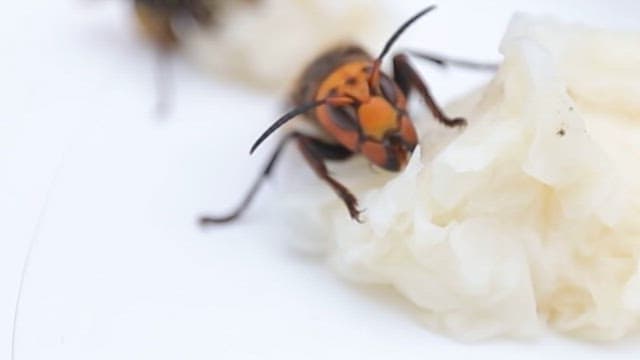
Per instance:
(314,151)
(206,220)
(408,78)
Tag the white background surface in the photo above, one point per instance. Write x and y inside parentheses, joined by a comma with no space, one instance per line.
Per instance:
(120,271)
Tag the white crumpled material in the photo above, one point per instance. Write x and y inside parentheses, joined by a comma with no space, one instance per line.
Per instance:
(528,218)
(267,44)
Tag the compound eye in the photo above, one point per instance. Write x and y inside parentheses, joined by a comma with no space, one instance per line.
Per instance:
(388,89)
(345,117)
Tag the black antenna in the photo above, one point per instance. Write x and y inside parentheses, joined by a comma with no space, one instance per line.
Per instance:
(401,30)
(394,37)
(284,119)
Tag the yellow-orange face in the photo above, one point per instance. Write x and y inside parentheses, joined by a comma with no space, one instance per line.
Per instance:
(376,123)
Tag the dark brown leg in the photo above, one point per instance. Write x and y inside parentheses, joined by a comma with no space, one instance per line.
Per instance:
(328,151)
(408,78)
(315,152)
(254,188)
(447,61)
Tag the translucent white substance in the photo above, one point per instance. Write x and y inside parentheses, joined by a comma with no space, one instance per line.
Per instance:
(267,44)
(531,215)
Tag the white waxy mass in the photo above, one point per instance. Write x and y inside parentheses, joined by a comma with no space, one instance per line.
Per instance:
(531,215)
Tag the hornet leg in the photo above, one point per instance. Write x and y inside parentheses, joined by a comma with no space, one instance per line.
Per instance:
(315,152)
(408,78)
(327,151)
(254,188)
(447,61)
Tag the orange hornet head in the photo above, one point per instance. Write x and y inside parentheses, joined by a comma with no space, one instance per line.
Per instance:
(388,134)
(363,109)
(375,122)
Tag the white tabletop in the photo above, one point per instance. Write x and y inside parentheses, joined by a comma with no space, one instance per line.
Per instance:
(108,195)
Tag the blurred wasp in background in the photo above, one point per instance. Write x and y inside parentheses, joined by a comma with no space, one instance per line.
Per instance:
(157,17)
(158,20)
(360,109)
